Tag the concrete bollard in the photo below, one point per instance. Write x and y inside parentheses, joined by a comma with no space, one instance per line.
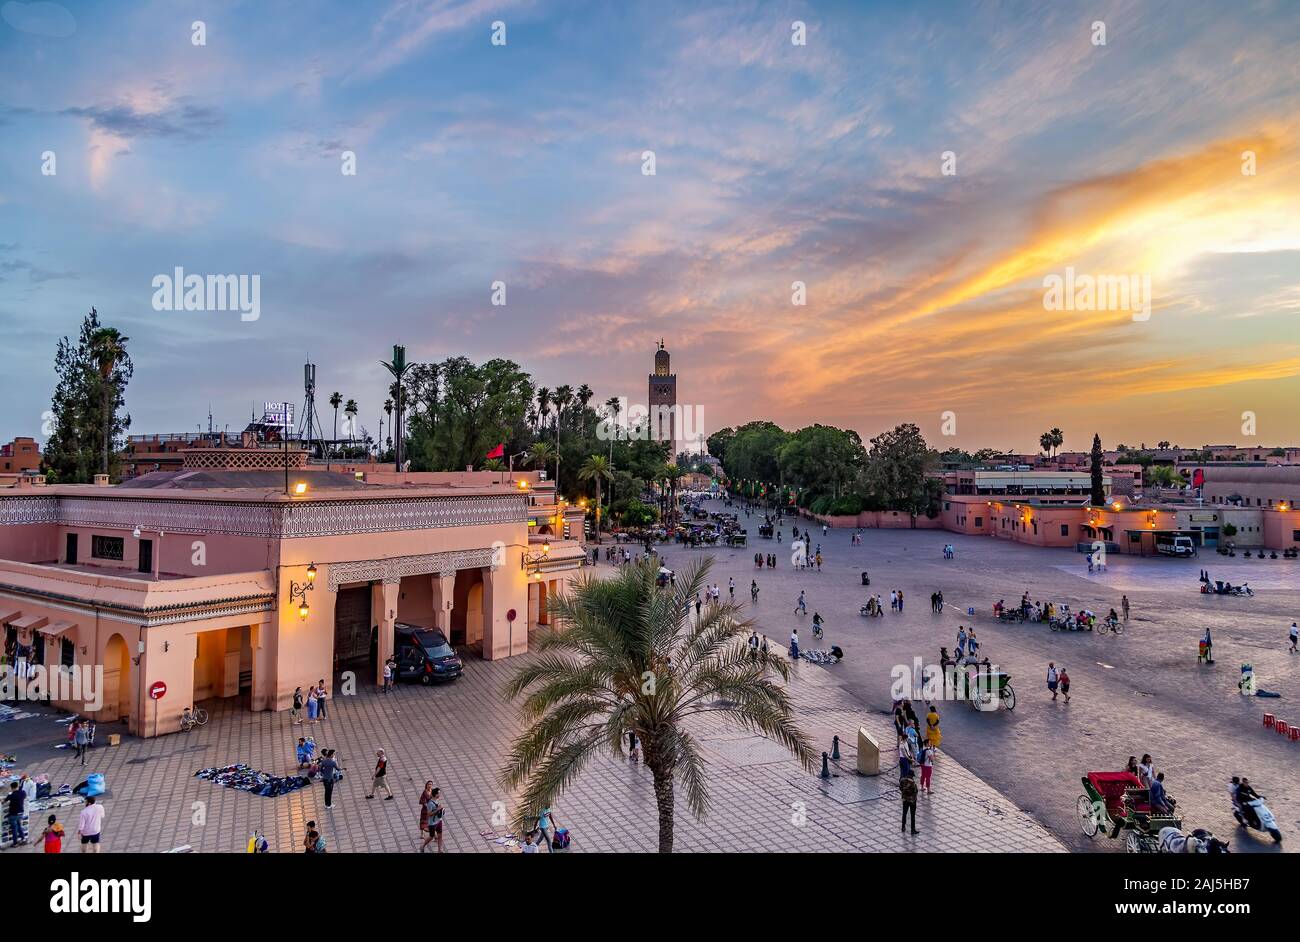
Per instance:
(868,753)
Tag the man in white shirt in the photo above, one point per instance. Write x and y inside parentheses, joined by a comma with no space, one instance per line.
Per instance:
(90,825)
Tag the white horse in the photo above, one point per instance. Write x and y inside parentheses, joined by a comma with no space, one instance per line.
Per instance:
(1200,841)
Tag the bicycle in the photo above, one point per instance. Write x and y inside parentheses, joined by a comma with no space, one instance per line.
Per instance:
(192,717)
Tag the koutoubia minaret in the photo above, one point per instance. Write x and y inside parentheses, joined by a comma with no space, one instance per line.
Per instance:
(663,400)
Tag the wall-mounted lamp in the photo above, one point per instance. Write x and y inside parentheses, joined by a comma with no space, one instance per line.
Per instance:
(299,590)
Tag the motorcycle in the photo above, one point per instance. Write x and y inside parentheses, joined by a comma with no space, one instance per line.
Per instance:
(1254,814)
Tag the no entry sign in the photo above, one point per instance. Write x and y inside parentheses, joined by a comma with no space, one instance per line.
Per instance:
(157,689)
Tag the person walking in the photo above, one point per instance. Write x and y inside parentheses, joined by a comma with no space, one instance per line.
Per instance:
(295,711)
(907,791)
(1293,636)
(1053,678)
(1065,684)
(893,600)
(52,836)
(933,736)
(1124,606)
(801,607)
(81,739)
(545,824)
(423,802)
(90,826)
(312,705)
(312,842)
(753,644)
(321,697)
(900,601)
(794,644)
(926,761)
(380,779)
(390,666)
(731,587)
(329,774)
(434,814)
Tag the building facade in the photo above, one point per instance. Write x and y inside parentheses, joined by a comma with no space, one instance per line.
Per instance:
(662,399)
(218,584)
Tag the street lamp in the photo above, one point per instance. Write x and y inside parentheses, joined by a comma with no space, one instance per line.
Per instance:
(299,590)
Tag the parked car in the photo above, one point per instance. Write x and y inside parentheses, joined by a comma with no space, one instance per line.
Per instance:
(423,654)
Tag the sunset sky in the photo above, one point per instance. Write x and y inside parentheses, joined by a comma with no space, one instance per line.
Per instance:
(775,163)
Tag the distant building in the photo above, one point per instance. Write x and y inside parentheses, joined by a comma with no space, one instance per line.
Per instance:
(21,456)
(662,399)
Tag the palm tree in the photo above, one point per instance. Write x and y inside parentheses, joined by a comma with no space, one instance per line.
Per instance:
(625,657)
(583,396)
(1058,439)
(336,400)
(107,349)
(543,405)
(494,464)
(350,410)
(398,369)
(562,397)
(672,474)
(597,469)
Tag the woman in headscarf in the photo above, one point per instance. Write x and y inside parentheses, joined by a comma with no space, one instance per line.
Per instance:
(933,737)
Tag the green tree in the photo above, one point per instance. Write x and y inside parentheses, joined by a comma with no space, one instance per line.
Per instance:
(1098,497)
(596,469)
(86,406)
(463,410)
(896,471)
(624,657)
(108,353)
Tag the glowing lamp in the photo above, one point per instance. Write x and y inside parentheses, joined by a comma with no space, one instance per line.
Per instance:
(300,488)
(303,610)
(311,573)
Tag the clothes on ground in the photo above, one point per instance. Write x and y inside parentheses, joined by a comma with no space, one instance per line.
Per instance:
(247,779)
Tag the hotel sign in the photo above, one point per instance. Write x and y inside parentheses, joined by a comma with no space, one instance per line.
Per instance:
(1204,518)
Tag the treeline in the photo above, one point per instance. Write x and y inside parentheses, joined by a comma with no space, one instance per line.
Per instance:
(828,470)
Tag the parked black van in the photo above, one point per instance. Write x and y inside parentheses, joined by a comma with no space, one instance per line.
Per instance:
(424,654)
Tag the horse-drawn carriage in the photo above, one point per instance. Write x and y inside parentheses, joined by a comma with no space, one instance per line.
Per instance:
(1116,802)
(987,689)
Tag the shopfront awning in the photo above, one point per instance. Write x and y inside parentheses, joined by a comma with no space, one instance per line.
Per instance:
(29,621)
(7,614)
(57,628)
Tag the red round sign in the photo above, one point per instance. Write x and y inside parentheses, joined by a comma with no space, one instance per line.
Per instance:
(156,690)
(510,615)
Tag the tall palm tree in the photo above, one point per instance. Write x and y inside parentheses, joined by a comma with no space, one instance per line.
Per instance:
(596,469)
(539,453)
(583,396)
(350,410)
(672,474)
(107,349)
(543,405)
(623,656)
(398,368)
(336,400)
(1058,439)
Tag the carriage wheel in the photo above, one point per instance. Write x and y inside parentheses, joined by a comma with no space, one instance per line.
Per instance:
(1054,626)
(1009,697)
(1133,843)
(1087,817)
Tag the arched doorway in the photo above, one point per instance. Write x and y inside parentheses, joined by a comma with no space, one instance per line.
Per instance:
(117,681)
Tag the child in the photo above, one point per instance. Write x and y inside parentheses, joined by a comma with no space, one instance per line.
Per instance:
(53,836)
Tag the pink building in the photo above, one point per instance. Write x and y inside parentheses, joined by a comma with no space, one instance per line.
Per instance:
(218,584)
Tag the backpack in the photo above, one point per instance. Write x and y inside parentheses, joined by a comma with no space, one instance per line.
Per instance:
(907,788)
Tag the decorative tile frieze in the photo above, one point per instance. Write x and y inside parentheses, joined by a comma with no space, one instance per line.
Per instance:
(393,569)
(266,521)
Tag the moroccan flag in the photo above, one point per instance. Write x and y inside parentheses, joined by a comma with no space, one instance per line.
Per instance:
(497,452)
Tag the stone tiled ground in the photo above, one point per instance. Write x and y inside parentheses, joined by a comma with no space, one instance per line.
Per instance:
(1141,692)
(456,735)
